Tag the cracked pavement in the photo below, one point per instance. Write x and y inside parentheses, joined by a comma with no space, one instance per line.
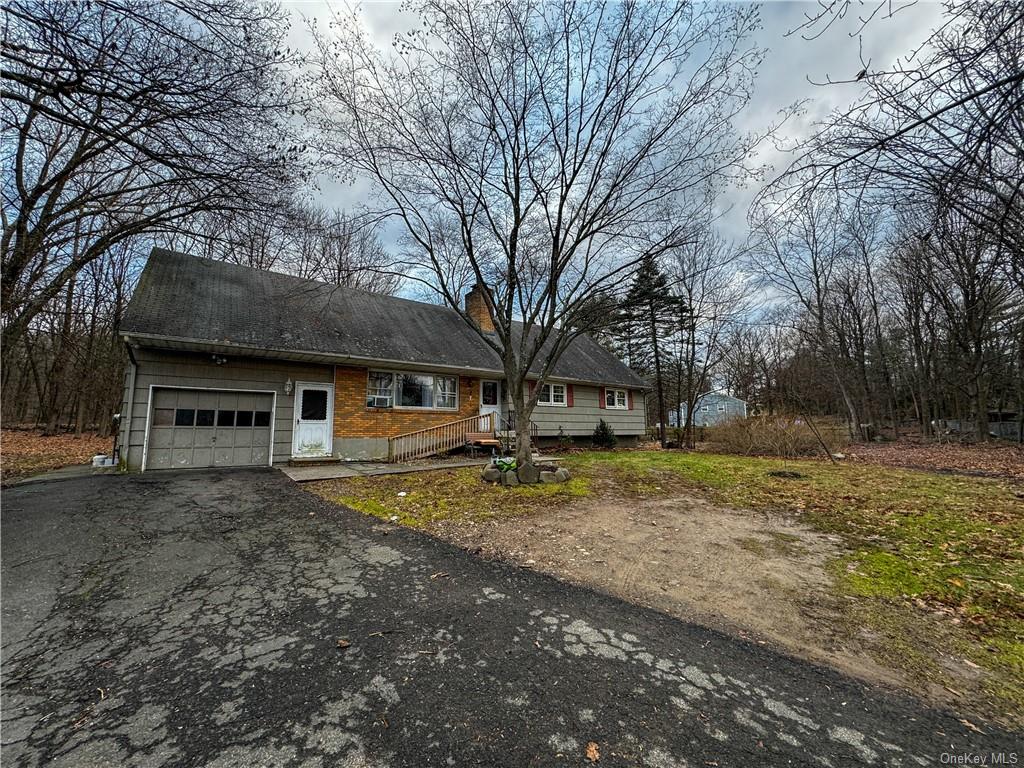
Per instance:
(194,618)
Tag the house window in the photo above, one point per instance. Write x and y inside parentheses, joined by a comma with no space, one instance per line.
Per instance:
(616,398)
(415,390)
(314,405)
(721,409)
(379,390)
(447,390)
(704,408)
(552,394)
(489,393)
(412,390)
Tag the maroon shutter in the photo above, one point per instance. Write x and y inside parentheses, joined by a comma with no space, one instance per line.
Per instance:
(568,395)
(600,398)
(629,394)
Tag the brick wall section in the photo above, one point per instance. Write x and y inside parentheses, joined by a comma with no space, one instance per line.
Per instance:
(353,419)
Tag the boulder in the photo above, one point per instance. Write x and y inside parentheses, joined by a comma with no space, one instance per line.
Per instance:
(509,478)
(562,474)
(491,474)
(549,477)
(528,474)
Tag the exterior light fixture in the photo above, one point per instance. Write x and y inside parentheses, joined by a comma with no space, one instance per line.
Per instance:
(288,387)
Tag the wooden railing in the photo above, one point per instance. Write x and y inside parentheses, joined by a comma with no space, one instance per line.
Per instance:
(443,437)
(508,424)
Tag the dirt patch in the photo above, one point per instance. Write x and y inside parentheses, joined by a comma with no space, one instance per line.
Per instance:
(761,575)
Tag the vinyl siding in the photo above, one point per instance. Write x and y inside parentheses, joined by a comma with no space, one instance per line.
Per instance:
(174,369)
(734,409)
(582,417)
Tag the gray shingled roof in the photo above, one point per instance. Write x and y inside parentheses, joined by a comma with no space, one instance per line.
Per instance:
(198,300)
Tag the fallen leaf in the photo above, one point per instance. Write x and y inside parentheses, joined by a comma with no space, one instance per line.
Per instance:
(592,754)
(972,726)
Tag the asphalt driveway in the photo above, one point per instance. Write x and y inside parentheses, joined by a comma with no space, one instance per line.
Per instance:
(184,619)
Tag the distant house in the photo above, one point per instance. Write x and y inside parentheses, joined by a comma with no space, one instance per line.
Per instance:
(712,409)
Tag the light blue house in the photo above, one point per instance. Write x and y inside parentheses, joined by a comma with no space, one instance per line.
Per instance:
(711,408)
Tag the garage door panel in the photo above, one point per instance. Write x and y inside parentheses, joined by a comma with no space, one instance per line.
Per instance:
(161,437)
(227,400)
(159,458)
(223,456)
(181,457)
(207,400)
(184,437)
(242,455)
(202,428)
(202,457)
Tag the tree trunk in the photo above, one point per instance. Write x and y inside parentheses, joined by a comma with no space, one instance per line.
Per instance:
(658,381)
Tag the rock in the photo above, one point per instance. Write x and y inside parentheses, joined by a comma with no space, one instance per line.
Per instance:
(509,478)
(549,477)
(562,474)
(528,474)
(839,456)
(491,474)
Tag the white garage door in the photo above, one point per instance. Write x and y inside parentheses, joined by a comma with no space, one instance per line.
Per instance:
(199,428)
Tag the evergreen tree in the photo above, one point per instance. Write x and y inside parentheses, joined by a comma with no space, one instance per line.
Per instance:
(648,308)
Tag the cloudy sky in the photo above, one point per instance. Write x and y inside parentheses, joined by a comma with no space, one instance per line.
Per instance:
(792,65)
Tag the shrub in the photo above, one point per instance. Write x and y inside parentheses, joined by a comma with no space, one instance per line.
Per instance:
(785,436)
(604,435)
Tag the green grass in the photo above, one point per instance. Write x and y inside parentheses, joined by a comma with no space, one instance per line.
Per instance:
(450,495)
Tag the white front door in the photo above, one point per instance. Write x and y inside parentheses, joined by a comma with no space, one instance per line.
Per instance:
(314,414)
(490,401)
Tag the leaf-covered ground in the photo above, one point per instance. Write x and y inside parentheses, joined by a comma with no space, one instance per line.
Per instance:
(920,549)
(997,458)
(24,453)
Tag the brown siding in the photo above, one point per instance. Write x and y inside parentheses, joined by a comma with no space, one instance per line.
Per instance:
(352,418)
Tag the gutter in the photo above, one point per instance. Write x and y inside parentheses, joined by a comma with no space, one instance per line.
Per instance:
(229,347)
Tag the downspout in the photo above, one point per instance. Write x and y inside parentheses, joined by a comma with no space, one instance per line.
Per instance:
(126,419)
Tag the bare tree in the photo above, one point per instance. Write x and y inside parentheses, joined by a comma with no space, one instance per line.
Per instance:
(122,118)
(540,150)
(712,296)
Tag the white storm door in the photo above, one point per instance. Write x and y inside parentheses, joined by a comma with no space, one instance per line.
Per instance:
(314,414)
(490,402)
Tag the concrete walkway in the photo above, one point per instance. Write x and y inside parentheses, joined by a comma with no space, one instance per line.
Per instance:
(368,469)
(72,472)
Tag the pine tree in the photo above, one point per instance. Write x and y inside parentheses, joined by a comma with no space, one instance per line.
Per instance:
(648,307)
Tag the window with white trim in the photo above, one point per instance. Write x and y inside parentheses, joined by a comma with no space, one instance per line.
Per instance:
(616,398)
(704,408)
(721,409)
(385,389)
(380,390)
(552,394)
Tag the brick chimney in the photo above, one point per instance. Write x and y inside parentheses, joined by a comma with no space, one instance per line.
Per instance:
(476,308)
